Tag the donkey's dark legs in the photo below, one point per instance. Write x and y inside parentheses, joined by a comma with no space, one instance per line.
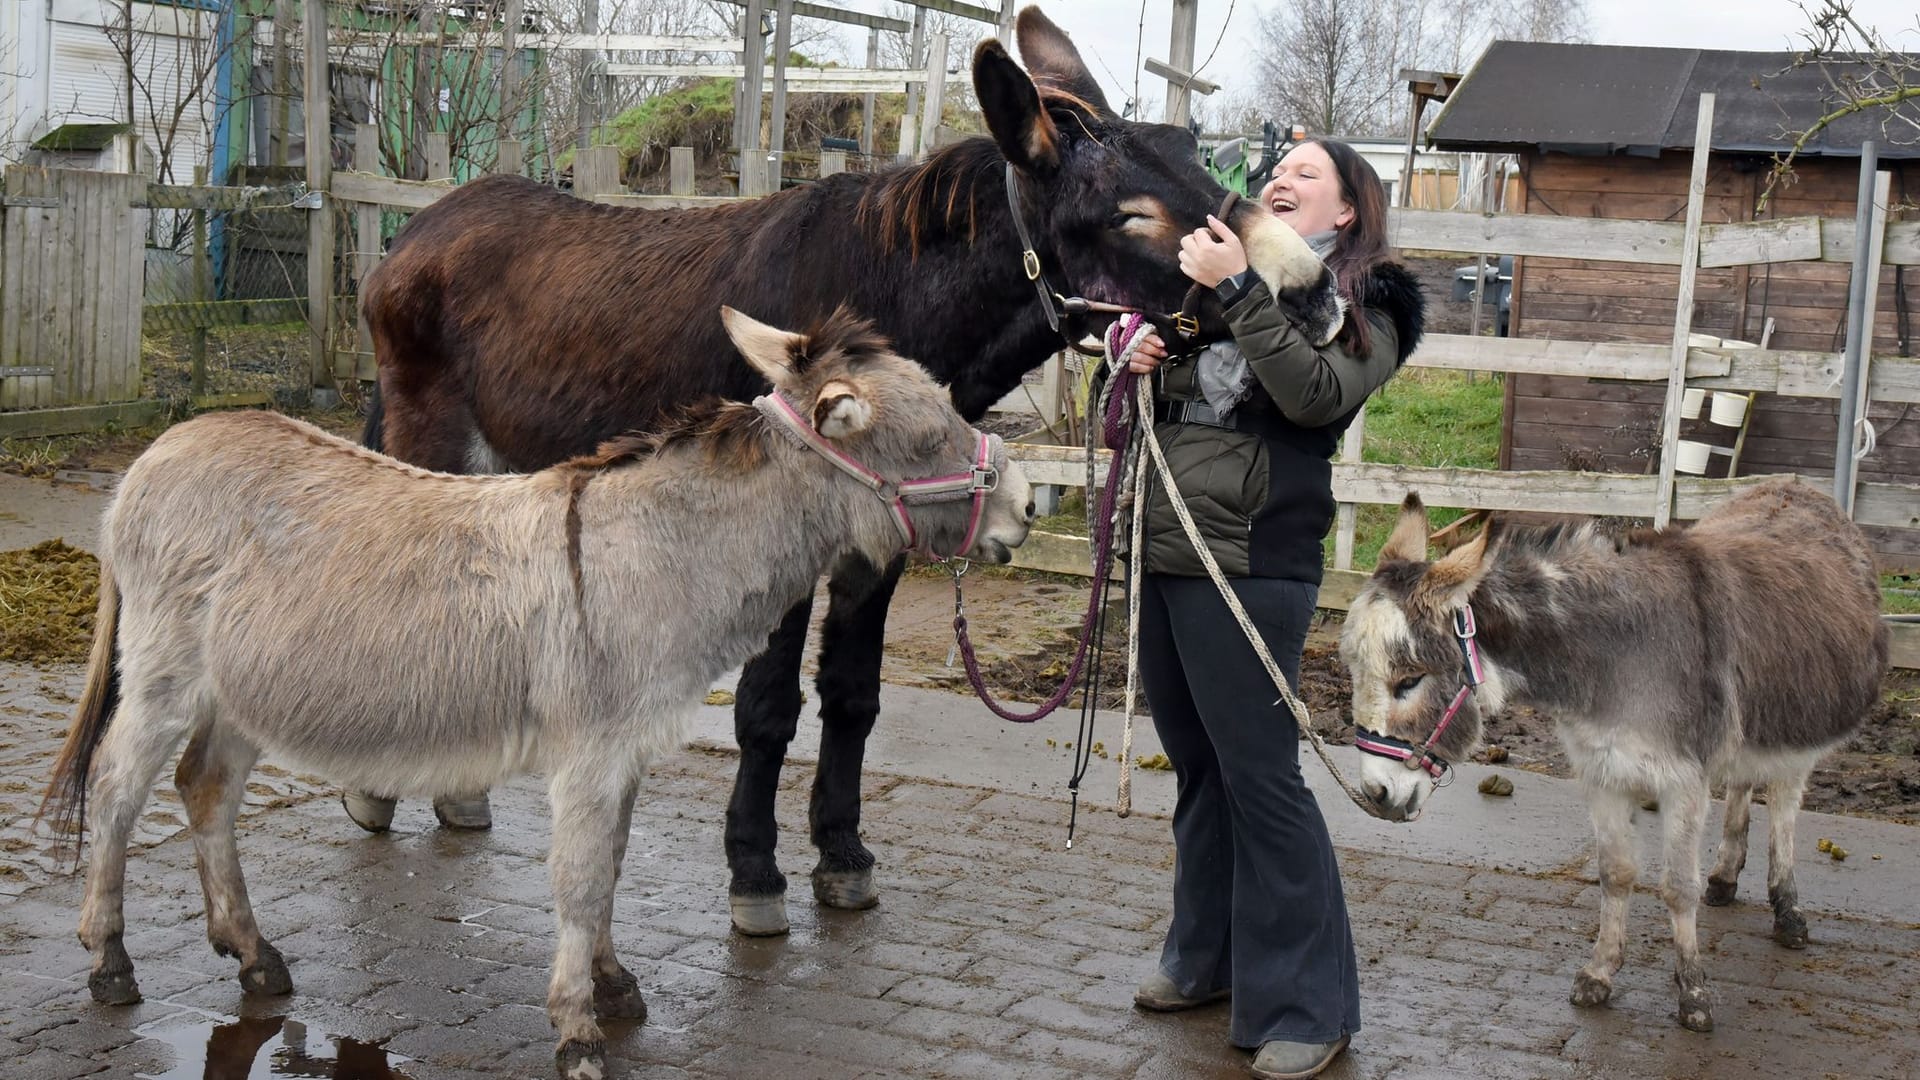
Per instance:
(1783,806)
(766,710)
(849,685)
(1724,880)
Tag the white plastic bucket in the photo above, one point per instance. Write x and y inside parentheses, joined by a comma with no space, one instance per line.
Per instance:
(1692,457)
(1690,403)
(1729,409)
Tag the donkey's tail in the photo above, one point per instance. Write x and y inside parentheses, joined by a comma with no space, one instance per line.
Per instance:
(65,804)
(375,436)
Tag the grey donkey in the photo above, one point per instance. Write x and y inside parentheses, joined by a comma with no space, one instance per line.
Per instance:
(267,587)
(1737,651)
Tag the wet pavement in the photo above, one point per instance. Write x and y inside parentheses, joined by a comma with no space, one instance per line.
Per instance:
(995,951)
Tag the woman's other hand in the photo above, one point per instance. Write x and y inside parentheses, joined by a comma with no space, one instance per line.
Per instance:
(1147,355)
(1213,254)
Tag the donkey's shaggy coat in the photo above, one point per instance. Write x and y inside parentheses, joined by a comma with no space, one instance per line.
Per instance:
(1738,651)
(268,587)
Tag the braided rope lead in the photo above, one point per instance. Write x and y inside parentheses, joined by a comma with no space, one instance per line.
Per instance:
(1144,409)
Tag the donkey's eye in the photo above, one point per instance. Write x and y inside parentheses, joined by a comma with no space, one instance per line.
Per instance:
(1121,219)
(1407,685)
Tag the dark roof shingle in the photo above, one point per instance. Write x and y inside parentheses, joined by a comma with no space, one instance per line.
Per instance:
(1627,99)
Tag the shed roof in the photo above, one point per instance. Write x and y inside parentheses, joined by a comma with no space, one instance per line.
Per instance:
(1628,99)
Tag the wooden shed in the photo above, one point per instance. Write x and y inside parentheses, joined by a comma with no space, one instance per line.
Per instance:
(1607,131)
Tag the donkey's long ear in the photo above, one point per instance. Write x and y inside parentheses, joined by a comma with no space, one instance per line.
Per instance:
(1023,129)
(775,353)
(841,410)
(1409,540)
(1053,60)
(1448,583)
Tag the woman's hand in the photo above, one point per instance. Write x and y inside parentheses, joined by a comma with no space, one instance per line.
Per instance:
(1147,355)
(1213,254)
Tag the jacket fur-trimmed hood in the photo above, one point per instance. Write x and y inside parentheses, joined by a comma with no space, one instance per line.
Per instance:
(1393,291)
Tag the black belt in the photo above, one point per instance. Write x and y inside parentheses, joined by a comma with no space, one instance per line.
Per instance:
(1198,411)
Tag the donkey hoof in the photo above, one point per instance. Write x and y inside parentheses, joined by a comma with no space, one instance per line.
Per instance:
(1719,893)
(760,916)
(267,974)
(1791,933)
(1695,1016)
(1589,991)
(617,997)
(579,1060)
(116,988)
(849,889)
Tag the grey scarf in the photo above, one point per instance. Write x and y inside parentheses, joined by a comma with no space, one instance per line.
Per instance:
(1221,368)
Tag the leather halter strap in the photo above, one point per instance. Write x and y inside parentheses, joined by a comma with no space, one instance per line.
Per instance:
(989,458)
(1180,330)
(1422,757)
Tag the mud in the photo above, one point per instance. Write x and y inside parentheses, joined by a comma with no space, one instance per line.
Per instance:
(47,597)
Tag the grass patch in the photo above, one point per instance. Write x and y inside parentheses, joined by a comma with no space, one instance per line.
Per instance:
(1900,594)
(1425,417)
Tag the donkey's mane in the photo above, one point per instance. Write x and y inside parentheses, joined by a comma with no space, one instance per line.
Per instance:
(914,203)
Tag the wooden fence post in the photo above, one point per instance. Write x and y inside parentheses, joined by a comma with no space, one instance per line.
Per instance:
(202,274)
(319,110)
(366,247)
(596,171)
(438,148)
(1683,313)
(832,161)
(510,157)
(680,170)
(936,93)
(1346,514)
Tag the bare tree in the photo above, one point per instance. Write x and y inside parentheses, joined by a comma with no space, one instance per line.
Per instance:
(1862,72)
(1334,65)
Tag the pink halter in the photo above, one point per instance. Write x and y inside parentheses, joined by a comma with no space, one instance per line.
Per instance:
(989,458)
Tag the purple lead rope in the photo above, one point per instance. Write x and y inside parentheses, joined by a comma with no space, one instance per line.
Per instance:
(1115,432)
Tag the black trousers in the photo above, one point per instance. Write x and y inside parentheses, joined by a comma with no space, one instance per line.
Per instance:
(1257,904)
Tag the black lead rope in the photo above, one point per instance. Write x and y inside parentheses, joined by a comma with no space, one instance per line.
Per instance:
(1089,705)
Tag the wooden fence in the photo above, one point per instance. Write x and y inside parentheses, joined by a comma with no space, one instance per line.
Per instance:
(71,255)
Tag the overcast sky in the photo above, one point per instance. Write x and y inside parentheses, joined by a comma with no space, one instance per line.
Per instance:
(1106,31)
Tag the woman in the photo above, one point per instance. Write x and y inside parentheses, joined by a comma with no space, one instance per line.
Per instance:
(1249,428)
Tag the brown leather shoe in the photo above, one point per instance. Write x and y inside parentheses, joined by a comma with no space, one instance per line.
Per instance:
(1157,993)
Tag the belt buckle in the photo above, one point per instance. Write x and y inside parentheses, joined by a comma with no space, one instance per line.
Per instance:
(1188,325)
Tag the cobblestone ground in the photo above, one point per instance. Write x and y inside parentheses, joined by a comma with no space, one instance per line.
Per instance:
(993,953)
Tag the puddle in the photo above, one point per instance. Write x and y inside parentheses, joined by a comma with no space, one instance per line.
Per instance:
(267,1047)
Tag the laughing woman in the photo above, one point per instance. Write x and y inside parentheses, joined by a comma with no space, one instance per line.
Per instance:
(1249,428)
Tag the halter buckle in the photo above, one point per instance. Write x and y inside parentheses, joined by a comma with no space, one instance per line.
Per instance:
(1188,325)
(1031,262)
(985,478)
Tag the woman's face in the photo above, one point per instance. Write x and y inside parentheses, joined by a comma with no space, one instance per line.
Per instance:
(1305,192)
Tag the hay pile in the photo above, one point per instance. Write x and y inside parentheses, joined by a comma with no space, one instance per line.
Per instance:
(47,597)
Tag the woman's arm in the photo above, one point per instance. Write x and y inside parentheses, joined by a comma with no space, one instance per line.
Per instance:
(1313,386)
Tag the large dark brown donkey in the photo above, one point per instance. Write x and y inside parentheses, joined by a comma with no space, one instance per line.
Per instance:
(516,325)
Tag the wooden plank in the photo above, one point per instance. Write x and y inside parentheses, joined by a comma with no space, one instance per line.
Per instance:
(199,197)
(596,171)
(509,157)
(1683,310)
(680,170)
(437,148)
(317,113)
(364,187)
(130,236)
(1526,234)
(39,423)
(1782,240)
(1059,553)
(366,229)
(1901,243)
(883,80)
(1905,645)
(56,294)
(1546,356)
(13,274)
(217,313)
(1478,489)
(667,202)
(936,93)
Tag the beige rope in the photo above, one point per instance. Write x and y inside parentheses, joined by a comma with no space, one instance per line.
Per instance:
(1143,411)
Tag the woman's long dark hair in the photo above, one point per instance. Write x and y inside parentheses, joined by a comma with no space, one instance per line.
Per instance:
(1362,244)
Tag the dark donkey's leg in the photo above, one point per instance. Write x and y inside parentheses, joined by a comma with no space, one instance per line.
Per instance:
(766,709)
(849,684)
